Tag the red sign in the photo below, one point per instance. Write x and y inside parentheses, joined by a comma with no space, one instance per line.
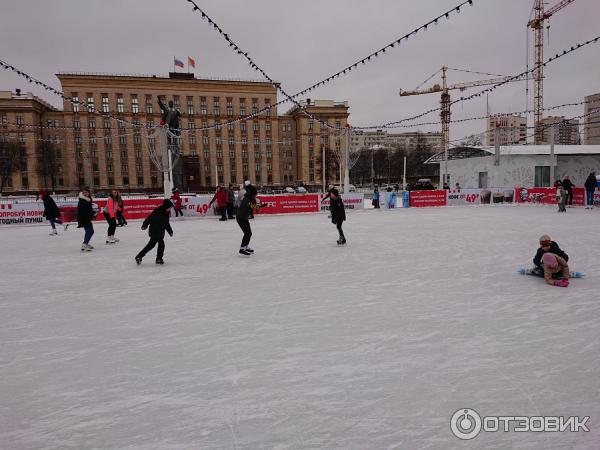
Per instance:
(546,195)
(285,204)
(420,199)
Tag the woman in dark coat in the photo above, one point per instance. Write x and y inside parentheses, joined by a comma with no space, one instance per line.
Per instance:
(51,212)
(338,214)
(242,217)
(590,187)
(85,215)
(158,221)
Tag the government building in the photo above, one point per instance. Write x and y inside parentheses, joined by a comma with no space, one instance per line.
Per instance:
(102,136)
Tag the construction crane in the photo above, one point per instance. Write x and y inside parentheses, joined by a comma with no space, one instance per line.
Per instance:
(537,25)
(445,99)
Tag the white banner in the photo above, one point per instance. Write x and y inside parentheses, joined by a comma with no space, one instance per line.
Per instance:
(457,197)
(352,200)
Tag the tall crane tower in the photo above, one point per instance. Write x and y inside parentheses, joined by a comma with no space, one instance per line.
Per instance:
(445,100)
(537,25)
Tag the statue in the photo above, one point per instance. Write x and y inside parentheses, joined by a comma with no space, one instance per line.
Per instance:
(169,116)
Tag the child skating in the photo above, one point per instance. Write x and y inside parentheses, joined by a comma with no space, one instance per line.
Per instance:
(158,221)
(338,214)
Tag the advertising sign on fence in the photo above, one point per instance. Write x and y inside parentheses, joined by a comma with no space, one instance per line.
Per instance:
(458,197)
(351,200)
(285,204)
(419,199)
(546,195)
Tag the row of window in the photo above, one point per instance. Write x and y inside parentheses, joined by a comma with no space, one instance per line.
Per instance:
(150,100)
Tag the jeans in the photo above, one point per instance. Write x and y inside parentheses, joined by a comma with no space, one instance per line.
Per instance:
(245,226)
(112,224)
(339,228)
(230,210)
(150,245)
(89,231)
(53,221)
(590,198)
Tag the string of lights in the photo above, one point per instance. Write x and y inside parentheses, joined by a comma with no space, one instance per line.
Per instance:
(484,91)
(332,77)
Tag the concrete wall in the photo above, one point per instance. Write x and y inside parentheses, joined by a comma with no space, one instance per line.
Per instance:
(519,170)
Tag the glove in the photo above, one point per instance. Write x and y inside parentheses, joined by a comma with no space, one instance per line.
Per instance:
(562,283)
(144,227)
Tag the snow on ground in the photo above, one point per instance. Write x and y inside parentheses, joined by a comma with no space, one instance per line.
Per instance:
(304,345)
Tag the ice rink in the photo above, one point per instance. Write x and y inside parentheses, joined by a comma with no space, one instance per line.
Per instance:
(304,345)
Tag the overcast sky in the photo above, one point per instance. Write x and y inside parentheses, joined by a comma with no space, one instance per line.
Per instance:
(299,43)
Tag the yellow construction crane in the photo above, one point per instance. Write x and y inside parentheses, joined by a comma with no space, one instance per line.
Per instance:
(445,99)
(537,25)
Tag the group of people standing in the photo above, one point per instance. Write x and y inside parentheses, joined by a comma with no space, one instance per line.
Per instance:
(564,192)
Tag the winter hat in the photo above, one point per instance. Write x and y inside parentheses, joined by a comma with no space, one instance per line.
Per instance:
(247,183)
(335,192)
(174,190)
(549,259)
(545,238)
(166,204)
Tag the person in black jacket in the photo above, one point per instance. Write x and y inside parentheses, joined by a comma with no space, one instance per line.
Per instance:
(568,186)
(242,217)
(251,189)
(590,187)
(547,245)
(51,212)
(158,221)
(338,214)
(85,215)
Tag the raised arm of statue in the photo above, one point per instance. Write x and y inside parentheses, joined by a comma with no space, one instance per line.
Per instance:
(161,105)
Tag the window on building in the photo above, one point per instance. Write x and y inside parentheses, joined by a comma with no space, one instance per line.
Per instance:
(135,107)
(20,120)
(123,140)
(542,176)
(176,102)
(75,103)
(109,153)
(126,180)
(149,108)
(191,124)
(90,103)
(106,123)
(230,126)
(137,139)
(229,107)
(120,104)
(123,153)
(255,126)
(190,105)
(138,153)
(192,139)
(121,124)
(242,107)
(105,105)
(203,108)
(216,106)
(206,154)
(22,138)
(254,105)
(243,126)
(267,107)
(267,126)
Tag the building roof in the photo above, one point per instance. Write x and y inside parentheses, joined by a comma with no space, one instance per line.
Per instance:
(171,76)
(507,150)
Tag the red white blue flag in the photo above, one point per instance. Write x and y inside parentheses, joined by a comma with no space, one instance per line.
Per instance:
(178,63)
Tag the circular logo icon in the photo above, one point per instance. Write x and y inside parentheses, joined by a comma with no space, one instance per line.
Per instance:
(465,423)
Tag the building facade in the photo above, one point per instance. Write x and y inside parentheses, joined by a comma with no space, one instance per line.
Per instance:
(566,131)
(102,138)
(407,141)
(511,130)
(591,127)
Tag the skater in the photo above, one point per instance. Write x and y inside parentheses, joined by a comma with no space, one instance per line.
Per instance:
(158,221)
(221,198)
(249,188)
(555,267)
(242,217)
(85,215)
(568,185)
(375,200)
(561,198)
(230,201)
(110,214)
(590,187)
(338,214)
(547,245)
(121,221)
(176,199)
(51,212)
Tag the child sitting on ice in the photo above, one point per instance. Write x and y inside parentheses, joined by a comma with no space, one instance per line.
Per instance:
(555,265)
(547,245)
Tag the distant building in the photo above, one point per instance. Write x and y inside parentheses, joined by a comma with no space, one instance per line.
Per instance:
(408,140)
(566,131)
(591,126)
(512,130)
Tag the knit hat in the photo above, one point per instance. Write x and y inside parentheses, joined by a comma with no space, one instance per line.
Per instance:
(335,192)
(545,238)
(247,183)
(549,259)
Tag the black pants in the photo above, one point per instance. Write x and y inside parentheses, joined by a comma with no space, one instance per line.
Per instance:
(230,210)
(569,197)
(223,212)
(178,212)
(245,226)
(112,224)
(150,245)
(339,228)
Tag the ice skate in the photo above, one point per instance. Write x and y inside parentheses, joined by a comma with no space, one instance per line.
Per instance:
(158,261)
(138,260)
(244,252)
(53,233)
(116,239)
(249,250)
(86,248)
(110,240)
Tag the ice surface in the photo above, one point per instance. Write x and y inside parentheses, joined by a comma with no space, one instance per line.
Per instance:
(304,345)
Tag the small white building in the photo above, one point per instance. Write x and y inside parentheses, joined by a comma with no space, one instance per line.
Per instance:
(518,165)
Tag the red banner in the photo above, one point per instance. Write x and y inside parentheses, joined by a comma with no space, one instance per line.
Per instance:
(420,199)
(546,195)
(285,204)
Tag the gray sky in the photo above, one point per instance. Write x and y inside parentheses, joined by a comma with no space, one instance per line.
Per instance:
(299,43)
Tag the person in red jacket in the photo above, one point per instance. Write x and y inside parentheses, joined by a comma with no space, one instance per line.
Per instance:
(176,198)
(110,214)
(221,199)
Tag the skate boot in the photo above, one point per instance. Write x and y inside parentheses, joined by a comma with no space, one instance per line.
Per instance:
(244,252)
(159,261)
(110,240)
(116,239)
(53,233)
(138,260)
(249,250)
(86,248)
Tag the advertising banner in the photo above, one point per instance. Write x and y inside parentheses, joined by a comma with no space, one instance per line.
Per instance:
(546,195)
(352,200)
(419,199)
(286,204)
(459,197)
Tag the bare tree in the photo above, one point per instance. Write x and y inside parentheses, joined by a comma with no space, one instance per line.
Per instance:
(10,162)
(47,163)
